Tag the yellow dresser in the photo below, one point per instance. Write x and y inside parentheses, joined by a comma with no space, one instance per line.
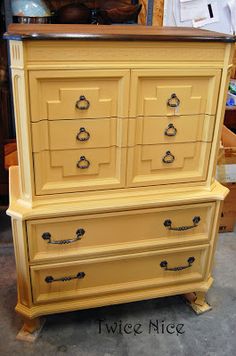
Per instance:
(118,130)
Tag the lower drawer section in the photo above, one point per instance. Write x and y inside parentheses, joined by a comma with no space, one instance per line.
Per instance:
(82,236)
(118,274)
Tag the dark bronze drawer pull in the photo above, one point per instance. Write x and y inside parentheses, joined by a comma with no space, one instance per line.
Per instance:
(171,130)
(83,163)
(50,279)
(82,103)
(83,135)
(164,264)
(47,236)
(168,225)
(168,158)
(173,101)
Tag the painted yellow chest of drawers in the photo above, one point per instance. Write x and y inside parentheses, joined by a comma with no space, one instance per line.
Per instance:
(118,129)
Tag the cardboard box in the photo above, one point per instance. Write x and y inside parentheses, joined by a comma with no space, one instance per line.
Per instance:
(228,215)
(226,174)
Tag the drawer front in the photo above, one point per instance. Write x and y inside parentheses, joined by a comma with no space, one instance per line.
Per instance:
(111,275)
(74,134)
(67,94)
(171,92)
(79,170)
(154,130)
(167,163)
(64,238)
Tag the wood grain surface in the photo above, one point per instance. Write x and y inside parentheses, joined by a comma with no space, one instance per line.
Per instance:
(158,11)
(120,32)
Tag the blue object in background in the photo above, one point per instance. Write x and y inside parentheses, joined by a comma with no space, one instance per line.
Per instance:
(230,102)
(35,8)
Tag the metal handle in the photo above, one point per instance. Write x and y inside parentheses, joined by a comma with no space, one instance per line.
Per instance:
(83,163)
(168,158)
(171,130)
(83,135)
(82,103)
(168,225)
(173,101)
(48,237)
(164,264)
(50,279)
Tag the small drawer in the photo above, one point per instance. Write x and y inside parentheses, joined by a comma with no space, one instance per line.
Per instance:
(86,279)
(93,235)
(67,94)
(73,134)
(168,163)
(65,171)
(175,129)
(168,92)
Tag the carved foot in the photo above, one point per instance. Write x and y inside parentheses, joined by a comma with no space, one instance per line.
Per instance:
(31,329)
(197,301)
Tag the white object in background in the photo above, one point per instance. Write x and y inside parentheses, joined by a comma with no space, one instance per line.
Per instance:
(192,9)
(209,14)
(232,8)
(172,16)
(226,173)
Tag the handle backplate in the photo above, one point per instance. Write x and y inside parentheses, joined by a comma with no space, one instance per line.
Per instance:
(83,135)
(48,237)
(168,224)
(173,101)
(171,130)
(164,264)
(168,158)
(82,103)
(50,279)
(83,163)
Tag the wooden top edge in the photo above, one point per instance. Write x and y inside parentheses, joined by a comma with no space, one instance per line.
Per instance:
(115,33)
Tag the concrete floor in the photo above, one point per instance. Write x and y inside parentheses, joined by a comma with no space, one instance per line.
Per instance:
(77,333)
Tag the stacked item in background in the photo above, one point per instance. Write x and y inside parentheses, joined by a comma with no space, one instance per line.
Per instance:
(226,174)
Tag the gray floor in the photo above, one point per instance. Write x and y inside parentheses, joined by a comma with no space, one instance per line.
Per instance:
(78,333)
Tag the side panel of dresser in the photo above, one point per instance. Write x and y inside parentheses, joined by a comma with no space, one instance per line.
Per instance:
(23,131)
(22,265)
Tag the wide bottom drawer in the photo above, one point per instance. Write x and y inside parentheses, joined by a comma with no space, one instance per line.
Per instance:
(113,275)
(83,236)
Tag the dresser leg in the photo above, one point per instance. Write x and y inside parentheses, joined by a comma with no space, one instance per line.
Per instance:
(31,329)
(197,301)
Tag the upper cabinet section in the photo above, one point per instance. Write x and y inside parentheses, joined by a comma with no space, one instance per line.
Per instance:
(99,109)
(78,94)
(162,92)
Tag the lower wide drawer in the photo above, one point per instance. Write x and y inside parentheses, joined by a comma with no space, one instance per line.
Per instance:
(64,238)
(115,275)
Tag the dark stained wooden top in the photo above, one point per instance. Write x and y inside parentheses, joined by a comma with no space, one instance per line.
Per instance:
(113,33)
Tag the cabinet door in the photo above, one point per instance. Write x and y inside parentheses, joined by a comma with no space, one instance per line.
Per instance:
(168,92)
(67,94)
(63,171)
(167,163)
